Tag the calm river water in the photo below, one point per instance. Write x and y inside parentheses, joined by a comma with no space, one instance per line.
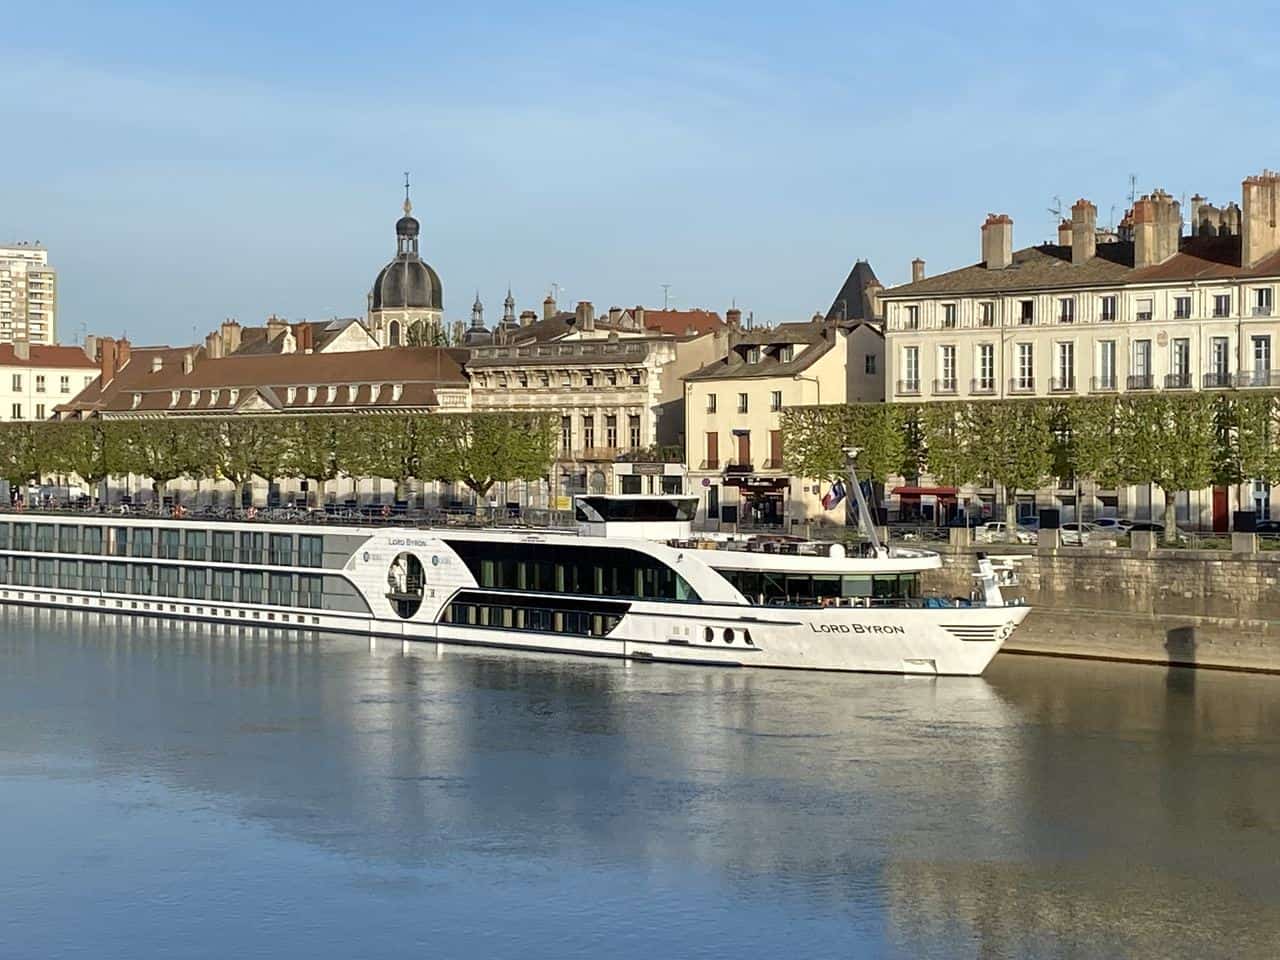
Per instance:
(176,791)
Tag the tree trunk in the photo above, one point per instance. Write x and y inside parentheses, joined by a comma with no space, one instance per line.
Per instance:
(1010,516)
(1170,519)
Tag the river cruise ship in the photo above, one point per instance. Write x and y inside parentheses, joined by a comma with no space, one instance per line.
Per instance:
(632,582)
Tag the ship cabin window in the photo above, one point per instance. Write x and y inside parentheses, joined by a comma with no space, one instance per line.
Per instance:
(168,546)
(282,550)
(251,586)
(91,541)
(224,547)
(68,538)
(45,538)
(310,589)
(22,571)
(281,587)
(142,542)
(117,578)
(195,581)
(168,582)
(143,580)
(119,541)
(310,551)
(94,579)
(223,586)
(196,545)
(22,536)
(5,528)
(770,588)
(251,548)
(44,573)
(69,574)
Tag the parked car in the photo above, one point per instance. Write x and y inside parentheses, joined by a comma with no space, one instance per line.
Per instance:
(1113,525)
(1074,534)
(1146,525)
(994,532)
(1267,528)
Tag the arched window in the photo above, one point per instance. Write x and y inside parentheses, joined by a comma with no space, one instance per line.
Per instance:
(393,334)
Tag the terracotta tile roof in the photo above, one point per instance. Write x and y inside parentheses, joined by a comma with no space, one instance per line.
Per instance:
(419,371)
(46,356)
(1049,267)
(679,322)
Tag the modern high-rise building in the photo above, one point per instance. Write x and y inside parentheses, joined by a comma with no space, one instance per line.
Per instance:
(28,294)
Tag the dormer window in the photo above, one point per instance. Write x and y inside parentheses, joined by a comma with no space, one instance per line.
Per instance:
(523,379)
(753,354)
(397,391)
(588,379)
(786,353)
(352,390)
(375,391)
(331,394)
(173,397)
(195,397)
(312,393)
(912,319)
(137,400)
(291,395)
(635,378)
(233,396)
(214,396)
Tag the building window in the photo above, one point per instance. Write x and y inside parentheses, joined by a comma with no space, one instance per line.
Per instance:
(64,383)
(611,431)
(633,430)
(17,382)
(912,321)
(786,353)
(1181,308)
(753,355)
(39,411)
(1026,379)
(1108,314)
(1141,377)
(948,316)
(947,368)
(1180,364)
(1026,311)
(869,364)
(17,411)
(1145,310)
(1262,302)
(1222,305)
(1219,363)
(1106,379)
(711,403)
(566,435)
(742,403)
(775,401)
(713,452)
(612,378)
(588,379)
(986,367)
(635,378)
(1262,360)
(589,430)
(910,369)
(1067,310)
(1066,378)
(987,313)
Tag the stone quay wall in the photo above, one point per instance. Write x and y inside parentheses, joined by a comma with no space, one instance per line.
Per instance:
(1207,608)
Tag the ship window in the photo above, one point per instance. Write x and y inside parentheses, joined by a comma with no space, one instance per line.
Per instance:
(169,582)
(281,549)
(195,579)
(855,586)
(44,573)
(168,545)
(310,551)
(68,538)
(728,635)
(143,581)
(251,585)
(119,541)
(93,575)
(223,586)
(250,548)
(4,535)
(92,538)
(142,542)
(117,578)
(69,574)
(22,571)
(22,536)
(224,547)
(44,537)
(197,542)
(310,590)
(281,589)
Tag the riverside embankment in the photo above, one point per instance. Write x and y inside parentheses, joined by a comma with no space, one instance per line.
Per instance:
(1208,608)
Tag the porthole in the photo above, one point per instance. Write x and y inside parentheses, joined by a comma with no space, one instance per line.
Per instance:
(405,581)
(728,635)
(710,635)
(746,637)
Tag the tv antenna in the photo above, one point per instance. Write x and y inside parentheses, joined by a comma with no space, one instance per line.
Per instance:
(1056,209)
(1133,188)
(666,295)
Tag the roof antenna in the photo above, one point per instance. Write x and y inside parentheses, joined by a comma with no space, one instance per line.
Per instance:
(666,292)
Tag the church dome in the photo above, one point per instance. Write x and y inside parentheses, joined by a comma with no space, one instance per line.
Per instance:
(407,226)
(406,283)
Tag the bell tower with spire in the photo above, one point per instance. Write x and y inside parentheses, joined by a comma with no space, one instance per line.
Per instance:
(406,303)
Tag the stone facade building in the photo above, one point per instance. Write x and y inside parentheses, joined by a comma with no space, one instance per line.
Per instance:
(1147,309)
(35,379)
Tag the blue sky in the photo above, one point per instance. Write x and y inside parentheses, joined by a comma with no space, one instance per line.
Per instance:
(189,162)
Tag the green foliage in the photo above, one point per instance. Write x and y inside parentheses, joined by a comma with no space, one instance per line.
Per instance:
(21,453)
(951,451)
(1094,448)
(814,440)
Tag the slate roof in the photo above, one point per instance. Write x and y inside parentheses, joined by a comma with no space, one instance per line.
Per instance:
(817,336)
(850,302)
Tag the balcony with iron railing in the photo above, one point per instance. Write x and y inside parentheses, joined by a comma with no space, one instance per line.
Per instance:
(982,385)
(909,387)
(1140,381)
(1022,385)
(1177,381)
(1216,380)
(1102,385)
(944,386)
(1262,309)
(774,463)
(656,453)
(739,465)
(1258,378)
(1062,385)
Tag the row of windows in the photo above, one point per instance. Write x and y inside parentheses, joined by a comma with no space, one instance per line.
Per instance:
(565,378)
(740,454)
(64,383)
(292,394)
(167,543)
(764,587)
(585,571)
(1144,309)
(159,580)
(775,401)
(588,431)
(507,616)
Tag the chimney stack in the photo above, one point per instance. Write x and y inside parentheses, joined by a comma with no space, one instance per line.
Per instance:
(527,317)
(157,364)
(615,314)
(213,346)
(549,307)
(230,331)
(917,270)
(1084,232)
(1260,230)
(871,300)
(1157,229)
(585,315)
(106,360)
(22,349)
(997,241)
(1229,221)
(1064,232)
(638,317)
(122,353)
(733,317)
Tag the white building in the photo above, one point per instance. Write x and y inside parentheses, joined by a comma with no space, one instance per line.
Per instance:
(1148,309)
(35,378)
(28,294)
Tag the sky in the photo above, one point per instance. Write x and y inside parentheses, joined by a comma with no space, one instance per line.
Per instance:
(185,163)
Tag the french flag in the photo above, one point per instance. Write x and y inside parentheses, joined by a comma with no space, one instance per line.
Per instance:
(834,495)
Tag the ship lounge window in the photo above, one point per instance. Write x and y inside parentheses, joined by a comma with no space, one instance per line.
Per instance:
(281,589)
(196,544)
(92,541)
(310,589)
(224,547)
(282,549)
(142,542)
(251,586)
(143,580)
(589,571)
(44,573)
(223,586)
(568,615)
(195,580)
(44,537)
(22,536)
(169,582)
(310,551)
(68,538)
(168,545)
(94,578)
(763,587)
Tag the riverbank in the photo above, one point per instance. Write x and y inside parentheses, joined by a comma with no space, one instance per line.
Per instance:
(1203,608)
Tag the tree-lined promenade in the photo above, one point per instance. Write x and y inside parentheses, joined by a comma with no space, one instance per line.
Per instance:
(1178,442)
(477,449)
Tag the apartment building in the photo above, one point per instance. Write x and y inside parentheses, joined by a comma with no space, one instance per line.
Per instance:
(734,416)
(28,294)
(615,381)
(1149,308)
(34,378)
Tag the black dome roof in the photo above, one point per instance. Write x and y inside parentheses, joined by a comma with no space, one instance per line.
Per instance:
(407,226)
(406,283)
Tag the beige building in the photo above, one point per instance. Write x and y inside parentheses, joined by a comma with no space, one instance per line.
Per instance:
(34,378)
(28,295)
(614,381)
(734,416)
(1146,309)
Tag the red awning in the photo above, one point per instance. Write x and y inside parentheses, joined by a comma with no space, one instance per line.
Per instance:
(926,491)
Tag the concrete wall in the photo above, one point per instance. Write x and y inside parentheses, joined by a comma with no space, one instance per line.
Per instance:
(1201,607)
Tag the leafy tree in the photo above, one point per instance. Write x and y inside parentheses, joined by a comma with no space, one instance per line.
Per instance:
(1095,439)
(82,450)
(161,450)
(815,438)
(481,449)
(21,459)
(949,445)
(1013,447)
(1169,440)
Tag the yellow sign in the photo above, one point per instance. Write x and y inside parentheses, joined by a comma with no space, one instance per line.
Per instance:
(564,503)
